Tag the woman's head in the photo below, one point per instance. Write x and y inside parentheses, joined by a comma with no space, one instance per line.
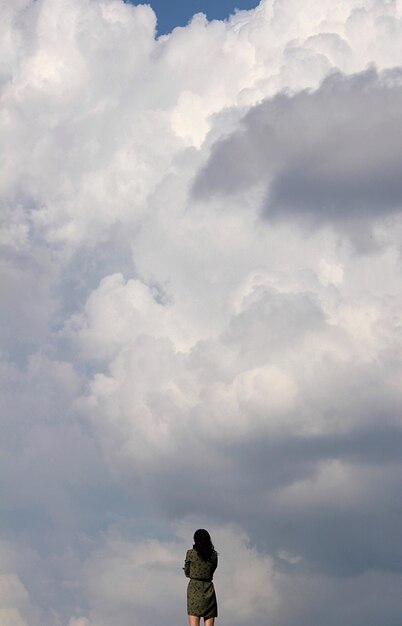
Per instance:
(203,544)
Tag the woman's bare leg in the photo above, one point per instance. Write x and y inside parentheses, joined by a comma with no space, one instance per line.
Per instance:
(209,622)
(193,620)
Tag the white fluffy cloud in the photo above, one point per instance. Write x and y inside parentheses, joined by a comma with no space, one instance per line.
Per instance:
(200,272)
(124,576)
(319,166)
(16,608)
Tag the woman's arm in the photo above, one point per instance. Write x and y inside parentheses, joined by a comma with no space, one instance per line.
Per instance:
(186,567)
(215,561)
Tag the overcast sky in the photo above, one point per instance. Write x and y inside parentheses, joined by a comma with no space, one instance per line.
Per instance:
(200,320)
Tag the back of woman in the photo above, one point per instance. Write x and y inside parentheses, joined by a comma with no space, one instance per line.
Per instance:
(200,565)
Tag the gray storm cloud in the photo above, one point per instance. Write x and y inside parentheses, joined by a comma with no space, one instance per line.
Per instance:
(201,312)
(330,156)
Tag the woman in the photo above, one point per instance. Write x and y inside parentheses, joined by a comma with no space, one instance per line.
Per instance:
(199,567)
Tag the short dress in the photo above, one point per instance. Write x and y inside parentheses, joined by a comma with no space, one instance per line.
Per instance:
(201,598)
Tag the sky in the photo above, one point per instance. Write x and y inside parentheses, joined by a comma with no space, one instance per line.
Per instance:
(201,239)
(179,12)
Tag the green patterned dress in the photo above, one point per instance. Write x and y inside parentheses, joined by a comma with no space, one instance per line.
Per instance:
(201,599)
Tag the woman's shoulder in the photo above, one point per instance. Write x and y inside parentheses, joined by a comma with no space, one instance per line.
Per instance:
(190,553)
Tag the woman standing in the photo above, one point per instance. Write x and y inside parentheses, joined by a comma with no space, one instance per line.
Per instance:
(199,567)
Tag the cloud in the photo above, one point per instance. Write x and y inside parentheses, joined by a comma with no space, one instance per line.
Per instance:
(330,156)
(200,279)
(124,576)
(15,606)
(79,621)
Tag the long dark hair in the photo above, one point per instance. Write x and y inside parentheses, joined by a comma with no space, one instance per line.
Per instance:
(203,544)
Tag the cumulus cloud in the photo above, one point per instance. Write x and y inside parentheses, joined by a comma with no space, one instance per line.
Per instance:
(15,606)
(200,273)
(123,577)
(331,156)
